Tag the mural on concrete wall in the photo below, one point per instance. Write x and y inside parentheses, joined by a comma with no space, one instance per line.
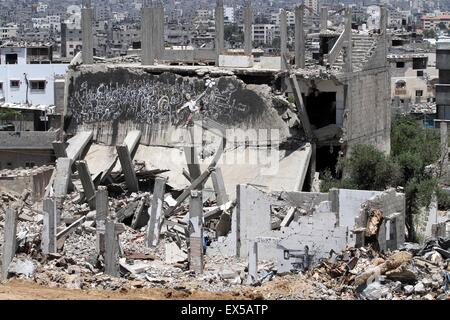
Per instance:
(167,99)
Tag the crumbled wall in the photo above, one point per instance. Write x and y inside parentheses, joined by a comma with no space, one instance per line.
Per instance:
(389,202)
(36,183)
(324,226)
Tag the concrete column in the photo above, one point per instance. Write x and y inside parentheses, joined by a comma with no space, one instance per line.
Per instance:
(111,249)
(9,240)
(193,162)
(383,27)
(283,33)
(348,40)
(300,48)
(86,181)
(220,34)
(87,18)
(62,176)
(147,41)
(154,223)
(252,262)
(128,168)
(219,187)
(49,241)
(196,232)
(248,22)
(158,28)
(323,19)
(101,214)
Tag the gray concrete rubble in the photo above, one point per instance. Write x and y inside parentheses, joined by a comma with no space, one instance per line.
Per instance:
(127,262)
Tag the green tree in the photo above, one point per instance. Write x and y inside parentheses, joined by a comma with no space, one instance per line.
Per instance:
(430,33)
(369,168)
(8,114)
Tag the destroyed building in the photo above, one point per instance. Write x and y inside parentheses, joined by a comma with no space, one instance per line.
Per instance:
(131,180)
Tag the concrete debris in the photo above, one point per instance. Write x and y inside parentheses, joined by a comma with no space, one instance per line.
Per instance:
(368,274)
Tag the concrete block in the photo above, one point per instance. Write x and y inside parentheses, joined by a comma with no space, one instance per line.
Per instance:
(235,61)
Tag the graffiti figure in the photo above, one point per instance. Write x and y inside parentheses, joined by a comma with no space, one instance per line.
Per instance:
(195,105)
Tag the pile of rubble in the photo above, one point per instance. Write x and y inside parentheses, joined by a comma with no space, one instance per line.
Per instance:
(412,273)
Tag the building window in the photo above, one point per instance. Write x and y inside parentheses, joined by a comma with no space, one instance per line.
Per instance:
(419,93)
(11,58)
(420,73)
(15,84)
(420,63)
(400,64)
(37,85)
(1,86)
(30,165)
(400,84)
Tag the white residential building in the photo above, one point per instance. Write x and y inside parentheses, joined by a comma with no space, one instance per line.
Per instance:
(229,15)
(27,75)
(374,17)
(313,4)
(264,33)
(8,32)
(290,16)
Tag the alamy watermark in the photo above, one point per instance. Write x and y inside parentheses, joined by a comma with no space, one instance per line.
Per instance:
(246,148)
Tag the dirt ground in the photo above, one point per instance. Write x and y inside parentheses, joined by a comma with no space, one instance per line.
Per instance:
(27,290)
(278,288)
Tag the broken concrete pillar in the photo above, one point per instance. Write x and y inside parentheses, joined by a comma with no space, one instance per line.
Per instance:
(87,18)
(219,187)
(128,168)
(252,262)
(9,240)
(78,145)
(63,176)
(154,224)
(132,142)
(49,239)
(323,19)
(220,32)
(111,249)
(236,220)
(248,22)
(302,113)
(196,232)
(283,33)
(147,35)
(348,41)
(300,48)
(86,181)
(101,214)
(193,162)
(444,145)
